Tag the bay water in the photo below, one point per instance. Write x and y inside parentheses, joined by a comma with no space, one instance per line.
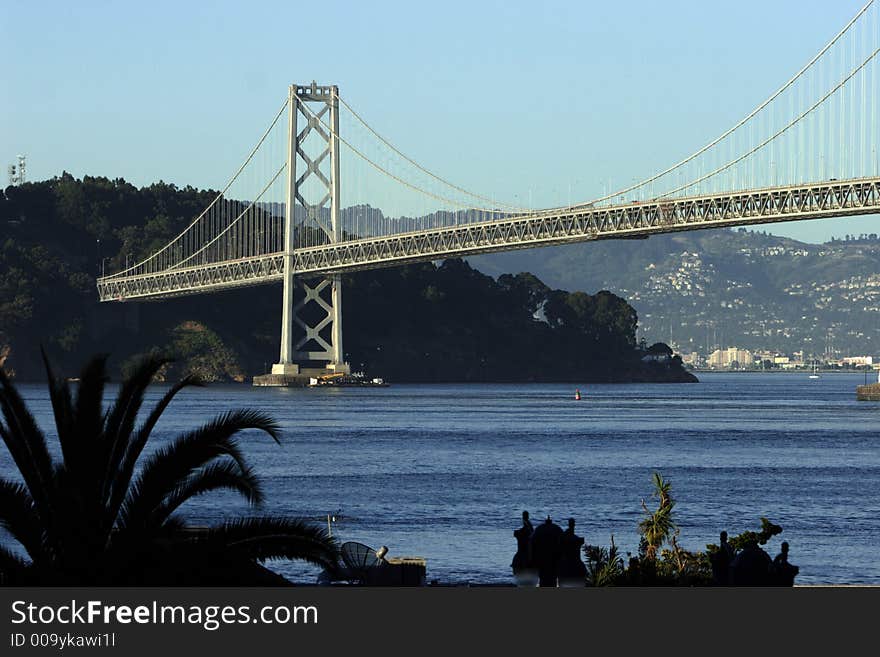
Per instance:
(444,471)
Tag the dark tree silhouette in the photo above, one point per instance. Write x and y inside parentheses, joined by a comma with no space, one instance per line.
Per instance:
(105,516)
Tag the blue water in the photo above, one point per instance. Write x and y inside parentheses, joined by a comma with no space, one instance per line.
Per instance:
(444,471)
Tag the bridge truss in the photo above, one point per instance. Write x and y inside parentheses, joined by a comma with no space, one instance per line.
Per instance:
(771,205)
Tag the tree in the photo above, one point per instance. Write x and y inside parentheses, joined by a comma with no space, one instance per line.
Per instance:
(94,519)
(768,531)
(672,565)
(658,525)
(604,566)
(659,349)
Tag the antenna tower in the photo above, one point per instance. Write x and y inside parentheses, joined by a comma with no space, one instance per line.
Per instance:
(17,171)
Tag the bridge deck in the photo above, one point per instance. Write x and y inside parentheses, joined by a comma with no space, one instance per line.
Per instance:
(834,198)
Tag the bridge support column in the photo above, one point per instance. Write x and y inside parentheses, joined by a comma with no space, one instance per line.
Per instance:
(285,366)
(311,327)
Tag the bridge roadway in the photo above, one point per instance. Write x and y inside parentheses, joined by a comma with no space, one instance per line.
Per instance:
(833,198)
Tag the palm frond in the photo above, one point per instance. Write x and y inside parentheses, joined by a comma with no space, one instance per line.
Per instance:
(63,515)
(83,458)
(225,474)
(126,453)
(18,517)
(13,569)
(122,416)
(90,395)
(26,443)
(62,409)
(172,465)
(273,538)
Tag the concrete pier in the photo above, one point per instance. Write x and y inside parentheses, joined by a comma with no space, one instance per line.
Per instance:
(293,376)
(282,380)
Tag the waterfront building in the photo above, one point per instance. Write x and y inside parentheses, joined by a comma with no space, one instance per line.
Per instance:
(731,358)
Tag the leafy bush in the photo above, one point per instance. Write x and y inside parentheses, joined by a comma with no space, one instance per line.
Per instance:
(661,561)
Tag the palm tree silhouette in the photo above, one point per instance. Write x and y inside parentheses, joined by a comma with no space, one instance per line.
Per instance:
(657,526)
(95,518)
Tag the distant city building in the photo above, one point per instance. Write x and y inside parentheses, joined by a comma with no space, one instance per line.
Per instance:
(765,355)
(732,357)
(859,361)
(658,352)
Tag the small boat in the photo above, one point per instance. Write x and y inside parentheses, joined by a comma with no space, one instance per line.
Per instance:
(815,374)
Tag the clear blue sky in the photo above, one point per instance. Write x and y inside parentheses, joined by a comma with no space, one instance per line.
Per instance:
(502,97)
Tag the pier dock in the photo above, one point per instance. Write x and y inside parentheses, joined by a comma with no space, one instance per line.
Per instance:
(869,392)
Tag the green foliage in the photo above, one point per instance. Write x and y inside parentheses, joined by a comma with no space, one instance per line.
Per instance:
(604,565)
(196,351)
(682,567)
(661,561)
(658,525)
(423,322)
(602,318)
(203,353)
(460,325)
(106,513)
(768,530)
(659,349)
(732,284)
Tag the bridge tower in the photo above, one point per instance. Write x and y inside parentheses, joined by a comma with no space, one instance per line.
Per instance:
(311,325)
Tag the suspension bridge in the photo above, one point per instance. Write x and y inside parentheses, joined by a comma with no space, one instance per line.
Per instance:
(322,193)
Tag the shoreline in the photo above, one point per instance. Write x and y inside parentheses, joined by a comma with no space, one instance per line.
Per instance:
(871,373)
(573,382)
